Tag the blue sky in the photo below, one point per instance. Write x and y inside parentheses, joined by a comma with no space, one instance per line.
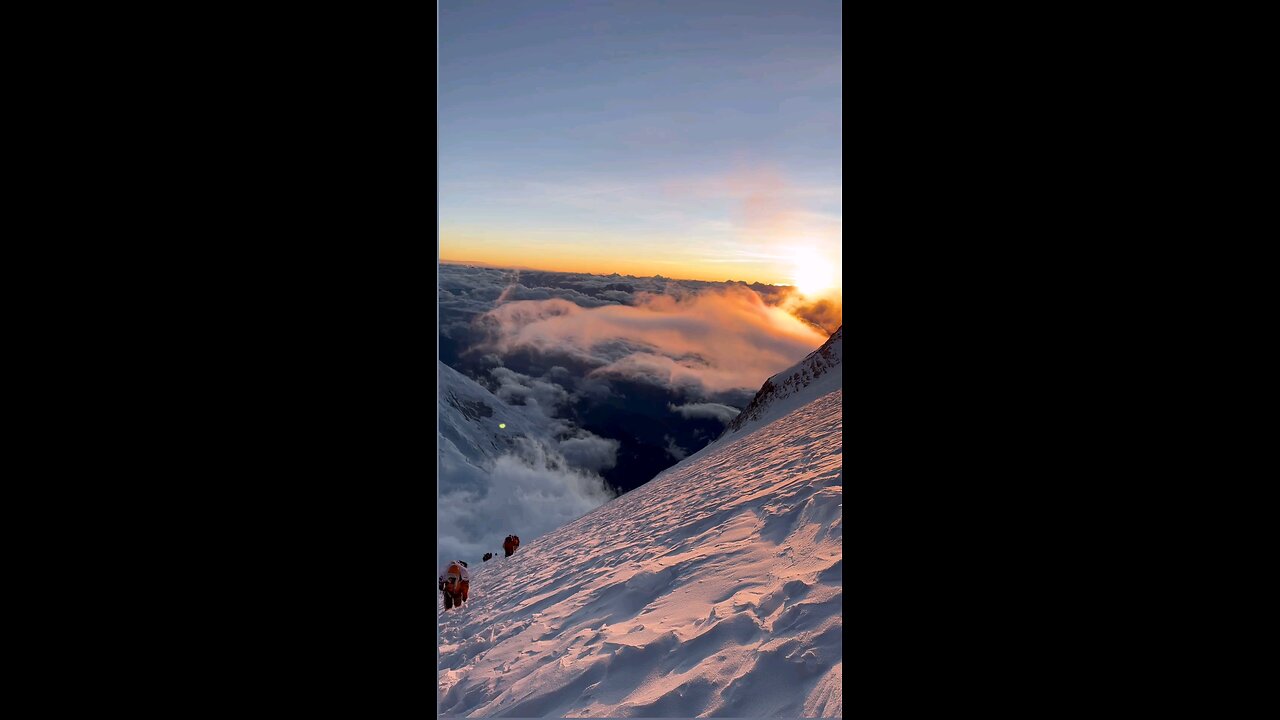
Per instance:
(625,133)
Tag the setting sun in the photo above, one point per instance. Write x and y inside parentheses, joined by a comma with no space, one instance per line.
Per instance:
(812,274)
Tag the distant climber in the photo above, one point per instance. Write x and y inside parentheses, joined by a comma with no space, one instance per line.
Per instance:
(454,582)
(511,544)
(486,557)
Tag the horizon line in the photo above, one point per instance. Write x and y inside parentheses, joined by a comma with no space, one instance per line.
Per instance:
(478,263)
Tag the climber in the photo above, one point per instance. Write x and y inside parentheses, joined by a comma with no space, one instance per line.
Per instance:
(486,557)
(454,583)
(511,544)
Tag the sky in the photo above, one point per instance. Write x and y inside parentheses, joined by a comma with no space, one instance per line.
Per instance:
(692,139)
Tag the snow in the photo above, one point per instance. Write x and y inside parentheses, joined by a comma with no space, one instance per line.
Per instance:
(469,417)
(713,590)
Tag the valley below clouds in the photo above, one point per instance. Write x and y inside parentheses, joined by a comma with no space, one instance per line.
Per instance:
(621,377)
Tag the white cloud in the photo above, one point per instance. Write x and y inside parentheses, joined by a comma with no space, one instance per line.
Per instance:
(590,452)
(517,389)
(528,493)
(712,341)
(723,413)
(673,449)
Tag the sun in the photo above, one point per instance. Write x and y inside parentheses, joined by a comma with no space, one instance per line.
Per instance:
(812,274)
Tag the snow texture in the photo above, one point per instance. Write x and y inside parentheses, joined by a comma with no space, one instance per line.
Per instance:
(714,590)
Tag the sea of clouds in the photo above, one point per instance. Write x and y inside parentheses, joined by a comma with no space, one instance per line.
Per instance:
(563,343)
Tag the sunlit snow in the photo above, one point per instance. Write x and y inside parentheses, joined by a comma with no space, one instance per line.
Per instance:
(713,590)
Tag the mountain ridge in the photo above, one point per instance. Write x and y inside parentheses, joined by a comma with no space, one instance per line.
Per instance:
(822,369)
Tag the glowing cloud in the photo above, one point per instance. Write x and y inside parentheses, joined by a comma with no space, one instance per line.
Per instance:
(707,342)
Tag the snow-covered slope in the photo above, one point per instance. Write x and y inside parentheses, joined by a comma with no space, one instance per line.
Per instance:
(820,372)
(713,590)
(470,418)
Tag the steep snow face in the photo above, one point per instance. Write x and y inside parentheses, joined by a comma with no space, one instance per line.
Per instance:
(819,373)
(471,418)
(713,590)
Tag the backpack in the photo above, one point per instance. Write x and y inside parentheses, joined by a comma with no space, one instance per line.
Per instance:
(453,574)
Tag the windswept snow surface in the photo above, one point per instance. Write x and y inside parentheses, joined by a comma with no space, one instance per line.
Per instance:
(713,590)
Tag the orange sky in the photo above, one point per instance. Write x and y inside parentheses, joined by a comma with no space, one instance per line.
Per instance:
(782,264)
(746,223)
(602,263)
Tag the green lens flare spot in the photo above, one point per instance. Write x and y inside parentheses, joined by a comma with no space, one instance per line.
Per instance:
(502,425)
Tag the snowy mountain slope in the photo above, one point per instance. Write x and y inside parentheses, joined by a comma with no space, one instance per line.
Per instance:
(713,590)
(820,372)
(470,418)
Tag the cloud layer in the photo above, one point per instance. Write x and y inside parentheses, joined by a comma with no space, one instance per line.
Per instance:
(710,341)
(528,493)
(466,293)
(589,349)
(590,452)
(716,411)
(517,389)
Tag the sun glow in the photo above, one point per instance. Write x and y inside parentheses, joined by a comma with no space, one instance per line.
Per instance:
(812,274)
